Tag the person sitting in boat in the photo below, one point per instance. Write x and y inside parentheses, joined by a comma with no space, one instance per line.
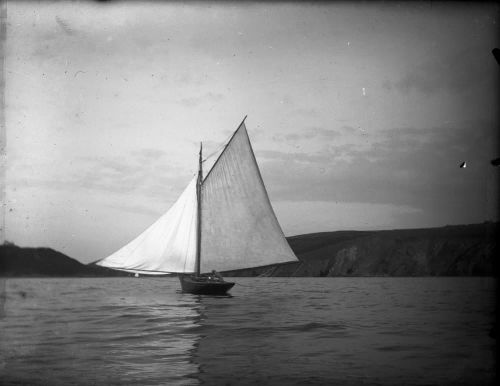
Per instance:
(216,275)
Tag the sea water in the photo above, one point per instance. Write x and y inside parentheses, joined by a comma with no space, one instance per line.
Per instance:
(290,331)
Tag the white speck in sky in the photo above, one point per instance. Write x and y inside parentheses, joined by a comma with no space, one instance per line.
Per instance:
(348,44)
(364,91)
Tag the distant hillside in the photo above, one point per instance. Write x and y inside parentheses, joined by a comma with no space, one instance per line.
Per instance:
(465,250)
(16,261)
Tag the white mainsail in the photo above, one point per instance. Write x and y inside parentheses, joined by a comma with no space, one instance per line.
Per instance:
(238,226)
(169,245)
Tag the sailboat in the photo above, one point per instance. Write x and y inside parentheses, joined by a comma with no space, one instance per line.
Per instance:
(221,222)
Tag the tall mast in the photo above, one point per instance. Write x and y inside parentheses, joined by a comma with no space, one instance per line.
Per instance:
(198,229)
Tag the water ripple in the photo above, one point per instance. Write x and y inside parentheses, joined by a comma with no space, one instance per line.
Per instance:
(345,331)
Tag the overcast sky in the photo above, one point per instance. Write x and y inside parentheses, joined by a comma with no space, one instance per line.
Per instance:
(359,113)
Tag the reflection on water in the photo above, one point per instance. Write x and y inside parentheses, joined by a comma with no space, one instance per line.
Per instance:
(296,331)
(60,331)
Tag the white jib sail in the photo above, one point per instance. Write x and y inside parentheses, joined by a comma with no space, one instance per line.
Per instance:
(238,226)
(167,246)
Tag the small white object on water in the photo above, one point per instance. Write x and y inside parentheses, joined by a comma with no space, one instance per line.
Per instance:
(364,91)
(463,165)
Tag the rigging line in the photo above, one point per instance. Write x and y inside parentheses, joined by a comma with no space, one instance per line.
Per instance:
(225,142)
(221,146)
(216,151)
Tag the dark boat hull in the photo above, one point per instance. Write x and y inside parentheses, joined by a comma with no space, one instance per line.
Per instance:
(204,286)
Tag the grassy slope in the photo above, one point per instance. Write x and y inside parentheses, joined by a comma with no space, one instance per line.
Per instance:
(16,261)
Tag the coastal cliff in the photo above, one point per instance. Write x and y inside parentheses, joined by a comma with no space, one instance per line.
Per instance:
(464,250)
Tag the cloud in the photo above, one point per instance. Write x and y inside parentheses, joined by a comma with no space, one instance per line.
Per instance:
(319,216)
(64,26)
(317,133)
(147,172)
(416,167)
(59,31)
(141,173)
(348,129)
(196,101)
(456,72)
(291,157)
(309,113)
(149,154)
